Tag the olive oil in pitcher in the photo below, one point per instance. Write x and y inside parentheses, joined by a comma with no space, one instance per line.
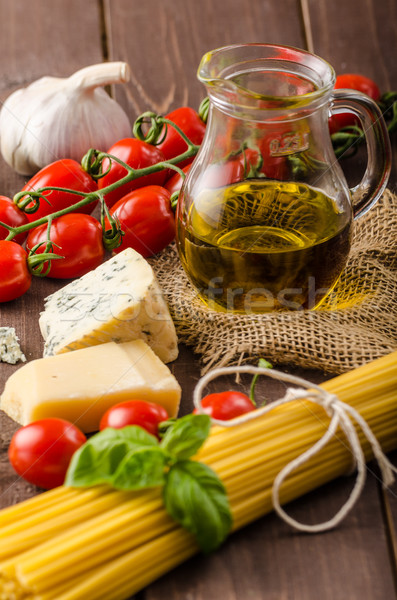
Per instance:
(263,245)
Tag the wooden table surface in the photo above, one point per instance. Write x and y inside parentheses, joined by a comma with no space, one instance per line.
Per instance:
(163,41)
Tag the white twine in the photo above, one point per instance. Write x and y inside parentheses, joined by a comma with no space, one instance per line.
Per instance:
(341,414)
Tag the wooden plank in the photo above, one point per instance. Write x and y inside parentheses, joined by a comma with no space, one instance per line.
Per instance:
(354,44)
(44,38)
(37,38)
(358,37)
(269,561)
(389,502)
(47,38)
(181,31)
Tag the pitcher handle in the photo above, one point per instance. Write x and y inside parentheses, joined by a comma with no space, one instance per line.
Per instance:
(374,181)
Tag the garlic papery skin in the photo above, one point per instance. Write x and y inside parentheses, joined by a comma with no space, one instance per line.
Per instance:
(55,118)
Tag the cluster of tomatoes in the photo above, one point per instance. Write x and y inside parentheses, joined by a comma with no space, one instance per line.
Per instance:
(141,206)
(41,451)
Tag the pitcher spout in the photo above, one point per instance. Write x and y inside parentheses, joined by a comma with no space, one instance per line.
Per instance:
(265,77)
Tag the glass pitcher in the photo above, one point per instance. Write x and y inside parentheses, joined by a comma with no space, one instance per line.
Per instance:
(265,214)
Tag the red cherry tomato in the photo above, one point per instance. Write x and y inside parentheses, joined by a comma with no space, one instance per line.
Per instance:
(146,217)
(147,415)
(79,241)
(224,173)
(363,84)
(352,81)
(247,164)
(174,183)
(189,121)
(15,277)
(226,405)
(11,215)
(235,169)
(41,451)
(275,166)
(65,173)
(138,155)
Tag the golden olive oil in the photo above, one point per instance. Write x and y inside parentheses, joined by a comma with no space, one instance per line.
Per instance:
(264,245)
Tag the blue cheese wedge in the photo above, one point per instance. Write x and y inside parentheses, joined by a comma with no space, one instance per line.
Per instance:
(118,301)
(10,350)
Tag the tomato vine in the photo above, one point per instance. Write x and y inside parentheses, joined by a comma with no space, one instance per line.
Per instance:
(28,201)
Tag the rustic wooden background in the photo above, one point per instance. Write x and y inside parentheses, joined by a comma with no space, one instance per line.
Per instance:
(163,41)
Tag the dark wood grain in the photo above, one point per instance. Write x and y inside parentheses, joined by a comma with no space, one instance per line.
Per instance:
(389,503)
(269,561)
(163,41)
(46,38)
(181,31)
(354,44)
(37,39)
(358,38)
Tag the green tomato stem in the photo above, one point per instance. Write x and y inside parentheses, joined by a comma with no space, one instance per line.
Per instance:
(204,109)
(262,363)
(88,197)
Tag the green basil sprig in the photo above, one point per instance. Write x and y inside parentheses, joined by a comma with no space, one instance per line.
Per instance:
(132,459)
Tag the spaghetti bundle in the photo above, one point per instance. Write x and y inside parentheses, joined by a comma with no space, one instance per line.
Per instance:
(105,544)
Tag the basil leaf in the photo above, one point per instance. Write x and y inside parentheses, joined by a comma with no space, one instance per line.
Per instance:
(196,498)
(141,468)
(89,467)
(99,458)
(186,436)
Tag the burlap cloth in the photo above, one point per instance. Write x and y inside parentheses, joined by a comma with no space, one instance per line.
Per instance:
(357,324)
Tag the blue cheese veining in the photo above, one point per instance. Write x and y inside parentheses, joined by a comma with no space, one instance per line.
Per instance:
(10,350)
(119,301)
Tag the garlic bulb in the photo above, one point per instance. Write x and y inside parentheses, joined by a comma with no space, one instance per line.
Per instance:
(57,118)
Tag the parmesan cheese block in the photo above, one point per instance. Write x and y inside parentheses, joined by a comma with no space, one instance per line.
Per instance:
(118,301)
(80,386)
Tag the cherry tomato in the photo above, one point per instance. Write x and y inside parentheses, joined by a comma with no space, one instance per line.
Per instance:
(146,217)
(15,277)
(237,168)
(11,215)
(275,165)
(79,241)
(224,173)
(65,173)
(226,405)
(189,121)
(41,451)
(135,154)
(220,174)
(174,183)
(147,415)
(352,81)
(247,164)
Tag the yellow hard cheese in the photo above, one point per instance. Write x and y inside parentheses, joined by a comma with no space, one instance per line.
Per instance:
(80,386)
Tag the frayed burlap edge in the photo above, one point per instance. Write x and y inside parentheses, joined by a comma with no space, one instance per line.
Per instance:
(357,325)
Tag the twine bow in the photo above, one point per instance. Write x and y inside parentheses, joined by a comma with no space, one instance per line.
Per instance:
(341,414)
